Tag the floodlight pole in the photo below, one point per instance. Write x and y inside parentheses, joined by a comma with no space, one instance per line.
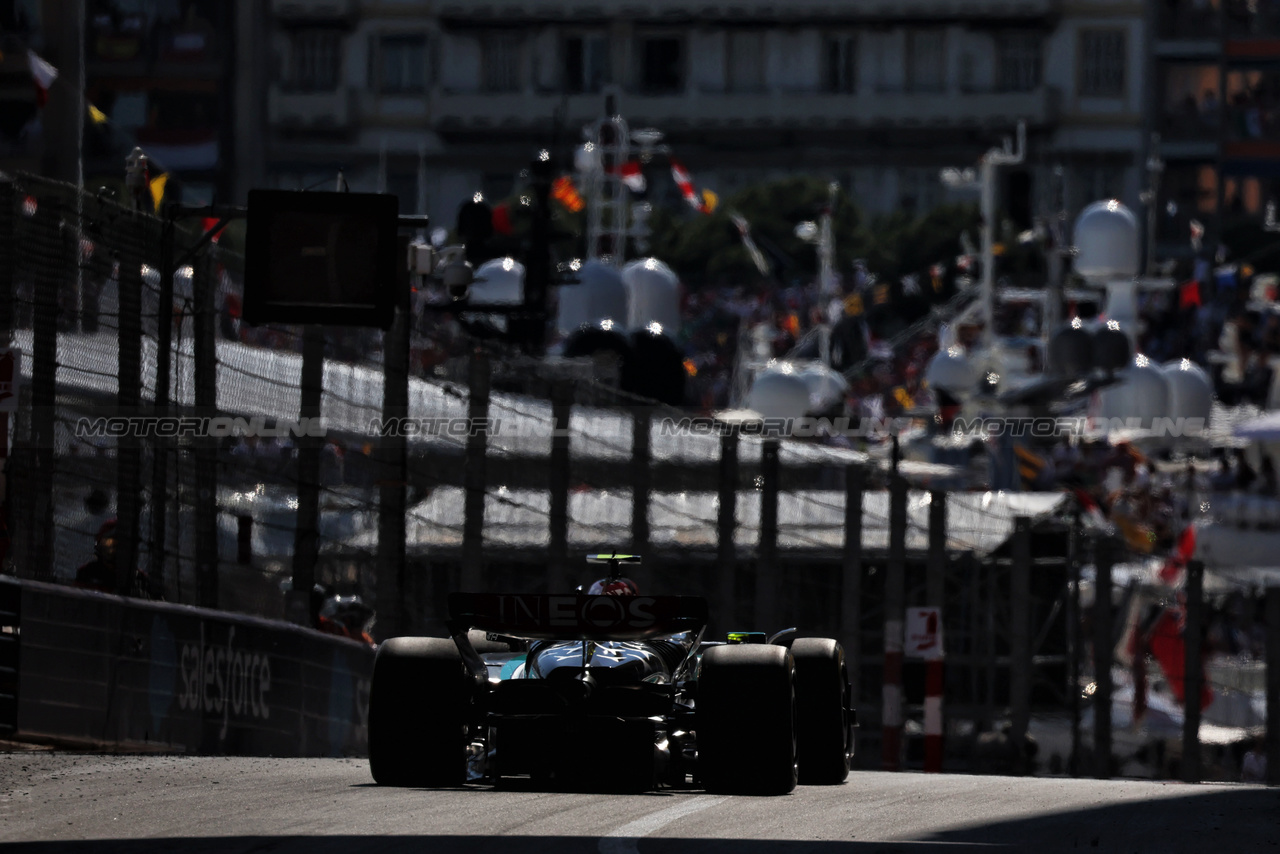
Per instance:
(826,243)
(995,157)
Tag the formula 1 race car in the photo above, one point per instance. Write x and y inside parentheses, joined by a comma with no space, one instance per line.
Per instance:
(612,692)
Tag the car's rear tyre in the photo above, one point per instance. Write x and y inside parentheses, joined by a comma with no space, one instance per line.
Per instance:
(746,720)
(824,742)
(418,702)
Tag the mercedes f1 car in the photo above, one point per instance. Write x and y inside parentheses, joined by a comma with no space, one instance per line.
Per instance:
(613,692)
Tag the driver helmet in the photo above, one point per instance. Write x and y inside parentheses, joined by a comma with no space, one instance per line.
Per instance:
(614,587)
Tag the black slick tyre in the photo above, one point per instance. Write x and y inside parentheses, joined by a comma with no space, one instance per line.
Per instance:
(418,703)
(824,741)
(745,716)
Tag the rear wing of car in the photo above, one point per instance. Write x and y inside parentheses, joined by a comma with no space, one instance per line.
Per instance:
(576,616)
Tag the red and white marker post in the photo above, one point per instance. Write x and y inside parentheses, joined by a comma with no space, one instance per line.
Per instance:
(924,641)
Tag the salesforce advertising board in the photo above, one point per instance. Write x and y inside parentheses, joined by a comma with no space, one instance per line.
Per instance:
(120,671)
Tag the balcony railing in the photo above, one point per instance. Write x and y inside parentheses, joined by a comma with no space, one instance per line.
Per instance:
(781,110)
(313,10)
(310,111)
(759,10)
(1189,21)
(1253,20)
(1255,123)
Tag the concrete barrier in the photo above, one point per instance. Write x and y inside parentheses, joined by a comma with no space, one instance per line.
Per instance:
(130,673)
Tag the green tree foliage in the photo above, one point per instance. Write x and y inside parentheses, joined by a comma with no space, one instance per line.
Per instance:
(705,250)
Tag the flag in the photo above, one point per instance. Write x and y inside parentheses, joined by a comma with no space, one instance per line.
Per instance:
(744,231)
(566,193)
(502,219)
(1189,295)
(210,223)
(633,176)
(685,182)
(1030,465)
(1091,510)
(157,185)
(1169,646)
(1182,553)
(43,74)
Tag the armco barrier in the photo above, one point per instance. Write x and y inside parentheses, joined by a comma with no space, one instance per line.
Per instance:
(127,672)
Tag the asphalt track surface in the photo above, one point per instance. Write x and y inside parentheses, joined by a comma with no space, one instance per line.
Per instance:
(92,804)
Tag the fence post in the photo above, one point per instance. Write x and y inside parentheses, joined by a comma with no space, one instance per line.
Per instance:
(1194,670)
(1273,685)
(474,478)
(205,369)
(8,261)
(306,538)
(394,608)
(726,526)
(894,610)
(641,478)
(1102,650)
(559,579)
(1074,641)
(1020,632)
(160,444)
(132,234)
(851,581)
(766,616)
(935,596)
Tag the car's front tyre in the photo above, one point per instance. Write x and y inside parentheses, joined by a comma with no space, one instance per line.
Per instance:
(824,741)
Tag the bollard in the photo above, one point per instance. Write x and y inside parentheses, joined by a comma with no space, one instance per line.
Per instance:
(1102,660)
(1273,685)
(851,587)
(474,476)
(894,604)
(1194,670)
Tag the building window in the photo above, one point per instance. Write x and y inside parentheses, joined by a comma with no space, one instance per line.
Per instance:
(586,63)
(1019,61)
(402,64)
(926,61)
(841,71)
(746,61)
(501,62)
(315,60)
(1102,63)
(661,66)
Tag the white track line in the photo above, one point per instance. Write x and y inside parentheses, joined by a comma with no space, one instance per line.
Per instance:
(623,840)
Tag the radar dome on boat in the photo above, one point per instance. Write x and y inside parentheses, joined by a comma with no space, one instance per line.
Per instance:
(951,370)
(1071,351)
(599,295)
(653,295)
(499,281)
(779,392)
(827,387)
(1190,390)
(1106,238)
(1111,347)
(1141,394)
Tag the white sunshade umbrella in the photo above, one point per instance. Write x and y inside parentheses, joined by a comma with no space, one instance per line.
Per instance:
(1264,428)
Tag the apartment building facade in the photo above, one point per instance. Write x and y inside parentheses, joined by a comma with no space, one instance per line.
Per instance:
(1216,106)
(438,100)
